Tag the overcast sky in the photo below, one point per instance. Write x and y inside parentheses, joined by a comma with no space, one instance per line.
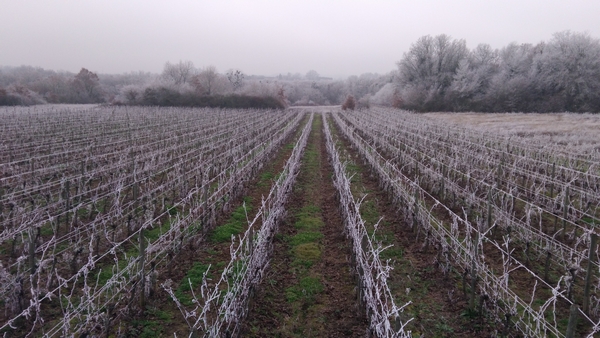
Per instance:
(335,38)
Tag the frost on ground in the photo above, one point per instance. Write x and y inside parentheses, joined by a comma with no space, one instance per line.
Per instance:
(566,131)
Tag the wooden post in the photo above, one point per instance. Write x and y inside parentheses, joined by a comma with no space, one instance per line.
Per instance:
(414,215)
(67,204)
(135,194)
(588,274)
(572,321)
(251,241)
(442,187)
(416,170)
(1,206)
(474,271)
(506,325)
(547,266)
(565,210)
(499,173)
(489,210)
(552,182)
(142,275)
(31,251)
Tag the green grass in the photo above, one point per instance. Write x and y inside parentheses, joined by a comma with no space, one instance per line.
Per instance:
(265,179)
(155,233)
(234,226)
(172,210)
(392,253)
(193,276)
(146,329)
(47,230)
(105,274)
(306,289)
(306,254)
(305,245)
(305,237)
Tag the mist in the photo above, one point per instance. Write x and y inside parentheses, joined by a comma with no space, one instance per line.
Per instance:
(335,38)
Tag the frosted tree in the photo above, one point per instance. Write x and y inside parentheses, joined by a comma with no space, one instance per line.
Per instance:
(568,70)
(86,85)
(472,79)
(210,81)
(511,87)
(179,73)
(236,78)
(427,70)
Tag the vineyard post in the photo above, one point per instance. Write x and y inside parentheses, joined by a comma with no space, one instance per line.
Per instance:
(552,180)
(397,323)
(565,210)
(506,325)
(414,215)
(31,251)
(142,276)
(474,271)
(67,204)
(572,321)
(13,252)
(489,211)
(81,181)
(251,241)
(109,310)
(416,170)
(443,182)
(499,172)
(547,265)
(589,272)
(1,206)
(571,285)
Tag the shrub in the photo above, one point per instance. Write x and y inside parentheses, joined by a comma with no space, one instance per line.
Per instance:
(350,103)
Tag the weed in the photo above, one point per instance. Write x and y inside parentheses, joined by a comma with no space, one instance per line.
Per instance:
(391,253)
(193,277)
(305,237)
(306,289)
(234,226)
(305,255)
(172,210)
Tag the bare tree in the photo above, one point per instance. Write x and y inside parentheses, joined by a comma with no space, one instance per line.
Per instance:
(207,78)
(179,73)
(427,70)
(312,75)
(87,86)
(236,78)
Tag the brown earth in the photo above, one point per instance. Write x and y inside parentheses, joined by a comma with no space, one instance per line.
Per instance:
(438,307)
(334,311)
(208,252)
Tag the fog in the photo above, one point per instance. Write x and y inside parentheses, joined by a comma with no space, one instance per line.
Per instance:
(335,38)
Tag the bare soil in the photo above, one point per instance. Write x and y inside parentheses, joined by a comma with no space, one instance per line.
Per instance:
(438,307)
(333,312)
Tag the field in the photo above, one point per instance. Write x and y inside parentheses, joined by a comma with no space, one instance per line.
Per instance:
(150,222)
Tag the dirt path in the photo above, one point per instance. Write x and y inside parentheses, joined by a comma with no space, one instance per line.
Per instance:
(309,289)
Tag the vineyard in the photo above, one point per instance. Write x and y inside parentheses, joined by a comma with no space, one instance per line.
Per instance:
(141,221)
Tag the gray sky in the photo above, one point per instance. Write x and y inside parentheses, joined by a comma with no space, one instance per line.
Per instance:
(335,38)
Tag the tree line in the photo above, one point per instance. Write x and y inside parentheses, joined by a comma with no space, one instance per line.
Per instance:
(438,73)
(184,84)
(441,74)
